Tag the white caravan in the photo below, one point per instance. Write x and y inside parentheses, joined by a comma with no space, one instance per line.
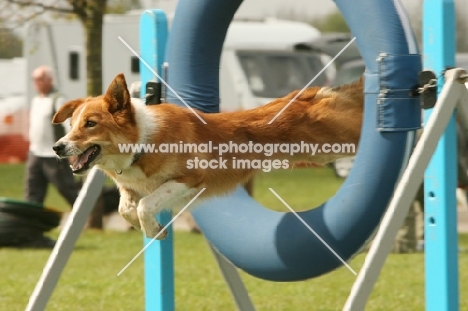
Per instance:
(261,59)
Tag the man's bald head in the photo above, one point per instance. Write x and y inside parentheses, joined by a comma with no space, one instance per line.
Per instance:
(43,77)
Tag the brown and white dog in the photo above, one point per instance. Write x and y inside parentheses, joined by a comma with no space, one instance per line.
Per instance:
(150,182)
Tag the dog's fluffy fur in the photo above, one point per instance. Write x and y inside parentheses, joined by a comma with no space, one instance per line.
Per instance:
(153,181)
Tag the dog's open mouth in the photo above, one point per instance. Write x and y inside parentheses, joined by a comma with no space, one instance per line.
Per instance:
(82,162)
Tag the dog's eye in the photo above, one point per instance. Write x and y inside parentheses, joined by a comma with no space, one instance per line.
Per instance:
(90,124)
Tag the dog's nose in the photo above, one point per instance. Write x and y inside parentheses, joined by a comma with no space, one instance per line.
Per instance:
(58,148)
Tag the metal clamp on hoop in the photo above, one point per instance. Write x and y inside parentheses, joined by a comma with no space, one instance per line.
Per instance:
(153,93)
(427,89)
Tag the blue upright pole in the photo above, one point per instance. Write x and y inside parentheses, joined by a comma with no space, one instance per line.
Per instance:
(159,256)
(440,220)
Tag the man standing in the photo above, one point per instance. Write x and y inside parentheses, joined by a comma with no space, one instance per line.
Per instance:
(43,167)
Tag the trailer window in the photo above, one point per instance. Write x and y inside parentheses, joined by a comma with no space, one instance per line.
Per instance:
(273,75)
(74,65)
(135,64)
(286,74)
(255,74)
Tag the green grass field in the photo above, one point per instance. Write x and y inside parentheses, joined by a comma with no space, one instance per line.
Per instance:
(89,281)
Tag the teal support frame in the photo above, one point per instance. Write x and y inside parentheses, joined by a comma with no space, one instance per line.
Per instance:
(159,256)
(440,216)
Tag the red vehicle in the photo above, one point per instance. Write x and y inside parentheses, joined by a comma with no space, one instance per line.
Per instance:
(14,124)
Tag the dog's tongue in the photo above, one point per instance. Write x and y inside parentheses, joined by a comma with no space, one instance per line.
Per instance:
(82,159)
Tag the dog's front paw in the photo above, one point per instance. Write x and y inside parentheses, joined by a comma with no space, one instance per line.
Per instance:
(149,225)
(155,232)
(128,211)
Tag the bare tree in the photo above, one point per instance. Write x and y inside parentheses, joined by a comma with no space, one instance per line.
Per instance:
(333,22)
(91,15)
(11,44)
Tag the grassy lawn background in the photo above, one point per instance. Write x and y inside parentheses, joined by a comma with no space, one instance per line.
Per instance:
(89,281)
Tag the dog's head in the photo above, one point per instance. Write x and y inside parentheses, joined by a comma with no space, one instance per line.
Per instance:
(98,125)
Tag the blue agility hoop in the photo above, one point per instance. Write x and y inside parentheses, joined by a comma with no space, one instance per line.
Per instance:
(276,246)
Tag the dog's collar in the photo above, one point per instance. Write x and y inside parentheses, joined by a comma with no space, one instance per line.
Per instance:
(136,157)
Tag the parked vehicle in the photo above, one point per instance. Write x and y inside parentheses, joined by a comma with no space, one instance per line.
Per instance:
(13,111)
(264,60)
(260,59)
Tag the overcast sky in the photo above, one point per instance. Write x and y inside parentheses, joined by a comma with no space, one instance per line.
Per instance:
(306,8)
(260,8)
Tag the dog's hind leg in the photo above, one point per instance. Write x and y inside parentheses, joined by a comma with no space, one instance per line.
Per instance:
(128,207)
(159,200)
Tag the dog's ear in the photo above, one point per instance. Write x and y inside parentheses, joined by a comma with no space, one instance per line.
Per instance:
(117,95)
(66,111)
